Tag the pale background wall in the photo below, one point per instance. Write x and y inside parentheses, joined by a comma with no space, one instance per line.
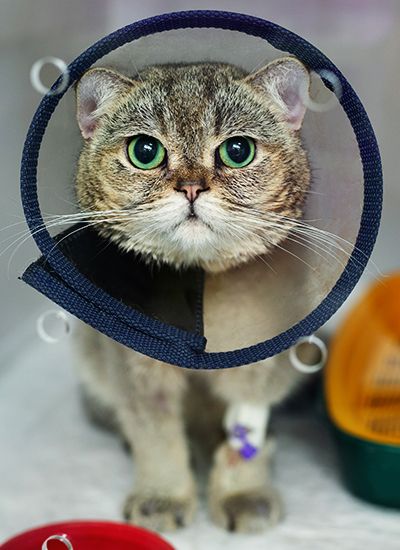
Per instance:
(360,36)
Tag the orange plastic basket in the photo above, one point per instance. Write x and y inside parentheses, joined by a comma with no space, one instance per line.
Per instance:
(362,389)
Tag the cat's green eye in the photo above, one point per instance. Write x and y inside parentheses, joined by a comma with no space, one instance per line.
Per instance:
(146,152)
(237,152)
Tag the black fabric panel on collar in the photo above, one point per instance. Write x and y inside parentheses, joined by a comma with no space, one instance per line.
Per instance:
(172,296)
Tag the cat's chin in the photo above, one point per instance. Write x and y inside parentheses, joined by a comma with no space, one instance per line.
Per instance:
(194,227)
(194,244)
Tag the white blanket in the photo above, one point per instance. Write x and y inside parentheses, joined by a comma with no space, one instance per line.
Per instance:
(55,466)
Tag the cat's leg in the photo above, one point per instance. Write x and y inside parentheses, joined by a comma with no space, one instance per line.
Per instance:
(164,496)
(241,494)
(143,398)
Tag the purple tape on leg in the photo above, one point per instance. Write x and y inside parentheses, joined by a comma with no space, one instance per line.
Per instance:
(247,451)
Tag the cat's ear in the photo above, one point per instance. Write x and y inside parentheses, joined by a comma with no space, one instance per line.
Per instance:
(287,83)
(95,92)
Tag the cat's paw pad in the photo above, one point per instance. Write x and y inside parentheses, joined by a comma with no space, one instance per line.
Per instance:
(249,512)
(159,513)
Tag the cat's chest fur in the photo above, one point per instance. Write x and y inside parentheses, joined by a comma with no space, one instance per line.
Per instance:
(251,303)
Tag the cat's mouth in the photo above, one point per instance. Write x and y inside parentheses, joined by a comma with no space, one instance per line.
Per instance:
(194,218)
(192,214)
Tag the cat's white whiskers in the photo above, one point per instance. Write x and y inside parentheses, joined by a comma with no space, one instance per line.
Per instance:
(303,237)
(88,214)
(315,249)
(27,234)
(23,222)
(266,263)
(295,256)
(331,238)
(307,242)
(241,234)
(51,221)
(57,244)
(305,225)
(300,240)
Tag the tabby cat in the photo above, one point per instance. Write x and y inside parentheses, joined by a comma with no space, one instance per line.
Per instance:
(200,156)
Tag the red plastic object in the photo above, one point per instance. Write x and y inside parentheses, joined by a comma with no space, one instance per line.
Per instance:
(89,535)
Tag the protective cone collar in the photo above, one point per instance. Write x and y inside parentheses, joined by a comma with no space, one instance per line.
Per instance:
(163,313)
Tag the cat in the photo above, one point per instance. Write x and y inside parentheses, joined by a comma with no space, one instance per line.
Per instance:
(201,155)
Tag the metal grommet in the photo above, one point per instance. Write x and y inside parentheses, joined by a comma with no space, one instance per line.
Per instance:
(59,326)
(300,365)
(62,538)
(38,84)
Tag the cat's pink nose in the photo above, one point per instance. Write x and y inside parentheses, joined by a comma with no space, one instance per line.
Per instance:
(191,189)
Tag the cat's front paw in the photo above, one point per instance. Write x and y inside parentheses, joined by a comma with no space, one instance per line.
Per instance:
(159,513)
(248,511)
(241,496)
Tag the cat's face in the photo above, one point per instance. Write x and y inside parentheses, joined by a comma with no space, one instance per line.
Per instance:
(194,164)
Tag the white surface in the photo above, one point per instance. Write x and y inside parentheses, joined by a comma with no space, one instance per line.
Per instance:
(54,466)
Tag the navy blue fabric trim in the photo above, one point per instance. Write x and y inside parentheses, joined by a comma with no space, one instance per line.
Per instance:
(102,303)
(146,342)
